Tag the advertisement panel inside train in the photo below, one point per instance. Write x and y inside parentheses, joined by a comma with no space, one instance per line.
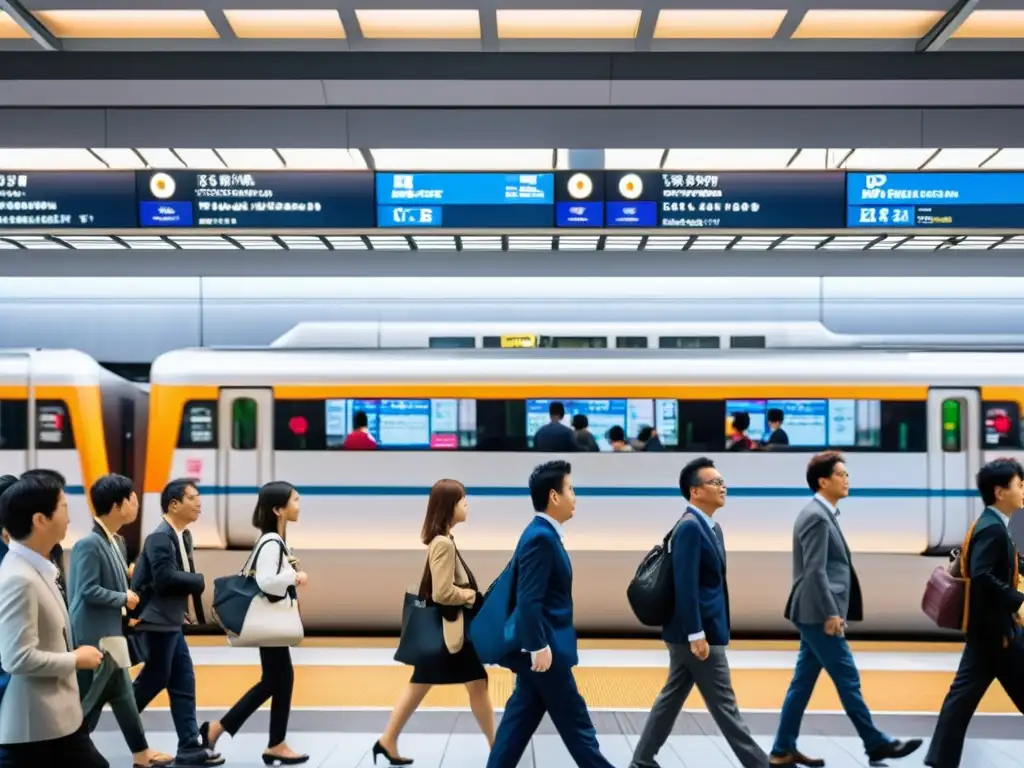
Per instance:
(67,200)
(970,200)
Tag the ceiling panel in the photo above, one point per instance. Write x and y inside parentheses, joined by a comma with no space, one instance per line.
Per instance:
(129,25)
(419,24)
(310,24)
(723,24)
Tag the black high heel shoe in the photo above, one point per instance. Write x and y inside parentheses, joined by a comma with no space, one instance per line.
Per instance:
(297,760)
(379,750)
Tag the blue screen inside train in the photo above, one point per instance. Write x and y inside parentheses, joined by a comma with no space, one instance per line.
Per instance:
(603,414)
(813,423)
(440,424)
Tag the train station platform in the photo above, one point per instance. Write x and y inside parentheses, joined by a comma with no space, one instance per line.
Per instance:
(345,688)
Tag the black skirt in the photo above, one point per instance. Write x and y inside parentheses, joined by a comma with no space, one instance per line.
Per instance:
(462,667)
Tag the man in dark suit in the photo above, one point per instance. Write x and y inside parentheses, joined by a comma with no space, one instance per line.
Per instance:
(995,642)
(698,631)
(825,595)
(776,436)
(166,581)
(543,620)
(555,437)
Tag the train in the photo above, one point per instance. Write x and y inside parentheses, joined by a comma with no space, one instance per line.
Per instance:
(915,426)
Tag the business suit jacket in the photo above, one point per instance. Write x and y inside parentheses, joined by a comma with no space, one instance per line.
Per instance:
(98,589)
(993,570)
(701,590)
(162,582)
(543,610)
(41,702)
(450,586)
(825,583)
(555,438)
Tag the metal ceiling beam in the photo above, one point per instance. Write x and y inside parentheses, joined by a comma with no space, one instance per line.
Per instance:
(944,29)
(35,29)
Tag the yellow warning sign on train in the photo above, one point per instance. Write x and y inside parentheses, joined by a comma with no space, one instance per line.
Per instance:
(522,341)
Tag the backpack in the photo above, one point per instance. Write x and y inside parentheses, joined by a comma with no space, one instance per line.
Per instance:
(651,594)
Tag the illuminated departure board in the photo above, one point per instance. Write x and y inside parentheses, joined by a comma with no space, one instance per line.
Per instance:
(65,200)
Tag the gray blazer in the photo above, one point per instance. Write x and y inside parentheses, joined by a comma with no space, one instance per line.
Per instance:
(98,589)
(825,583)
(41,701)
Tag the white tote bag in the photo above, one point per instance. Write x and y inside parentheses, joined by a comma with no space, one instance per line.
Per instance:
(270,622)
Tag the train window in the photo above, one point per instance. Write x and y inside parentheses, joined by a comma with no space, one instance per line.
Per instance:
(747,342)
(13,425)
(631,342)
(904,427)
(301,425)
(198,425)
(952,413)
(244,415)
(452,342)
(689,342)
(53,426)
(1001,425)
(578,342)
(491,342)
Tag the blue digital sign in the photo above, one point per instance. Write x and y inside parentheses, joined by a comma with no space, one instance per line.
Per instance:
(255,200)
(980,199)
(465,200)
(67,200)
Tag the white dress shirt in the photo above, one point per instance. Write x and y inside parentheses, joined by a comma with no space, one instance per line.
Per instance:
(558,529)
(1004,518)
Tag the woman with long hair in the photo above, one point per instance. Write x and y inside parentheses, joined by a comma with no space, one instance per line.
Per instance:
(448,582)
(276,573)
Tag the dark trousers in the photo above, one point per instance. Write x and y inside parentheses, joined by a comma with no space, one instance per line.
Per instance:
(979,667)
(276,684)
(121,697)
(169,666)
(76,750)
(553,692)
(832,653)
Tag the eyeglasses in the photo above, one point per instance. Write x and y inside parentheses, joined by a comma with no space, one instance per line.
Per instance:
(718,482)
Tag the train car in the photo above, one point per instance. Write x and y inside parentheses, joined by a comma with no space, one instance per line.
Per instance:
(916,426)
(59,409)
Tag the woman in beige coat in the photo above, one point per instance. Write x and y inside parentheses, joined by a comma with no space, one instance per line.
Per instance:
(449,582)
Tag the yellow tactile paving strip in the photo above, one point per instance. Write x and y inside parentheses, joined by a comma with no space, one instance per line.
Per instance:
(606,688)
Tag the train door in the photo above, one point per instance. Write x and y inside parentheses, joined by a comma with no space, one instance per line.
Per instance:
(17,427)
(245,458)
(954,458)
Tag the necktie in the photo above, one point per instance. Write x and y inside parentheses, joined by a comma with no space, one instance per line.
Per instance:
(196,614)
(721,539)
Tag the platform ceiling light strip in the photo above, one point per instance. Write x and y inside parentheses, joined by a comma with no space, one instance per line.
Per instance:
(494,243)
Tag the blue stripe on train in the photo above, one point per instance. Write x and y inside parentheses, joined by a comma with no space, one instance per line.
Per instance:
(616,491)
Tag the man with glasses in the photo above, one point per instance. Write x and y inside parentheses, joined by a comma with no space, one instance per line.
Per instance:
(698,631)
(825,595)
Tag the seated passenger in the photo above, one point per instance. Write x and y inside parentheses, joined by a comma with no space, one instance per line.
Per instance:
(617,437)
(555,437)
(360,439)
(776,436)
(647,440)
(585,439)
(738,440)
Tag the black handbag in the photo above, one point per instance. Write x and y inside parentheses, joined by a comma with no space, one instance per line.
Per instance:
(422,640)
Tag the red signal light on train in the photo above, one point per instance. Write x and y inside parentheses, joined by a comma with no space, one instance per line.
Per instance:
(58,421)
(1001,424)
(298,425)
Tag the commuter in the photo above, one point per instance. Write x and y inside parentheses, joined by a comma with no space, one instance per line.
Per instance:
(738,440)
(825,595)
(555,437)
(57,555)
(6,481)
(585,440)
(448,582)
(616,437)
(698,631)
(360,439)
(647,440)
(41,720)
(100,601)
(165,580)
(995,642)
(276,575)
(544,679)
(776,437)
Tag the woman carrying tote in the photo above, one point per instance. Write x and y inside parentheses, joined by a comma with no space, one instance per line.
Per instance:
(449,582)
(275,574)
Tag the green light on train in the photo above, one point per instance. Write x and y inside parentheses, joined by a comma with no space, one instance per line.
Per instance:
(951,426)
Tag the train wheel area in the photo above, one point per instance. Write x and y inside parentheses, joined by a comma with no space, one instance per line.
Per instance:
(345,688)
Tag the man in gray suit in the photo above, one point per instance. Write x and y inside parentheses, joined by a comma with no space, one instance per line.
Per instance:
(100,600)
(41,720)
(825,595)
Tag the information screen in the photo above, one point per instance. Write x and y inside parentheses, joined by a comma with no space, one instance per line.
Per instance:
(730,200)
(257,200)
(57,199)
(468,200)
(603,414)
(438,424)
(981,200)
(812,423)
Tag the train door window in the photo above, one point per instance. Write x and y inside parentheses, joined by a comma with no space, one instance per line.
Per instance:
(702,425)
(689,342)
(952,414)
(53,426)
(243,424)
(1001,425)
(631,342)
(747,342)
(452,342)
(198,425)
(13,425)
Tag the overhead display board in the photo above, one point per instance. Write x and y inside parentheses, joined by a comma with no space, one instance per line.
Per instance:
(981,200)
(256,200)
(67,200)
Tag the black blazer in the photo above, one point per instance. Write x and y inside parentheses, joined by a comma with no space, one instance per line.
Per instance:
(994,599)
(162,583)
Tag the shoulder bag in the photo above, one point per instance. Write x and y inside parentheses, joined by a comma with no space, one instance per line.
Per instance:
(422,640)
(249,616)
(947,595)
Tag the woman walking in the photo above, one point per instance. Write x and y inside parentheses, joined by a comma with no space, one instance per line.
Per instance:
(276,574)
(447,581)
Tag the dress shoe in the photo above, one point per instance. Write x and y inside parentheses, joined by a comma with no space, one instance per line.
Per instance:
(796,757)
(894,749)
